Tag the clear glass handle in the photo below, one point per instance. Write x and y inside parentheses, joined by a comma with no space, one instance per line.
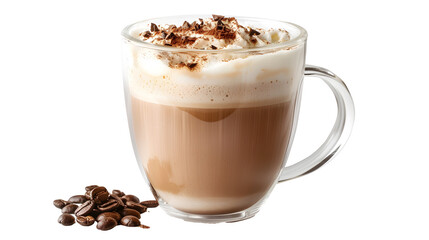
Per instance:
(340,132)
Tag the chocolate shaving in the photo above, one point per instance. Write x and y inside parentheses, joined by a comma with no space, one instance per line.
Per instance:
(163,34)
(217,17)
(253,32)
(195,26)
(189,40)
(170,36)
(167,44)
(220,25)
(191,65)
(147,34)
(186,25)
(213,47)
(154,27)
(172,27)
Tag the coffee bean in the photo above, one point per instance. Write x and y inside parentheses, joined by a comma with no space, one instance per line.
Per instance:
(119,200)
(130,221)
(99,195)
(90,187)
(113,215)
(69,208)
(66,219)
(95,212)
(85,220)
(78,199)
(118,193)
(108,206)
(130,197)
(128,211)
(85,209)
(150,203)
(137,206)
(106,223)
(59,203)
(109,210)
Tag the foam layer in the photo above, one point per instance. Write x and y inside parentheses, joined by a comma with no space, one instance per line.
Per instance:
(220,80)
(255,80)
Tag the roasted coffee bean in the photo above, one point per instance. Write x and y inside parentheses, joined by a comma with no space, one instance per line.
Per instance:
(90,187)
(59,203)
(87,194)
(78,199)
(99,195)
(108,206)
(150,203)
(69,208)
(95,213)
(113,215)
(128,211)
(119,200)
(137,206)
(85,220)
(130,197)
(85,209)
(109,210)
(66,219)
(118,193)
(130,221)
(106,223)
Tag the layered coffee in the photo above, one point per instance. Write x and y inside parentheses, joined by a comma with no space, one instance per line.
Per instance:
(211,121)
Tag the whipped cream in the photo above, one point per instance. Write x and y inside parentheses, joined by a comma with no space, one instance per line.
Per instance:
(214,79)
(212,33)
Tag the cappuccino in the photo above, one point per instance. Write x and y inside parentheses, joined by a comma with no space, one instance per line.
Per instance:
(211,129)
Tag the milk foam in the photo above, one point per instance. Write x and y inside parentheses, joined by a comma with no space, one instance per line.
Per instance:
(251,81)
(222,80)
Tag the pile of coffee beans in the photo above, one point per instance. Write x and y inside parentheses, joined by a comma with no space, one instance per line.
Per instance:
(107,209)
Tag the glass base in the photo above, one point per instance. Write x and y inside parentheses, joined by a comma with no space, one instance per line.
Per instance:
(212,218)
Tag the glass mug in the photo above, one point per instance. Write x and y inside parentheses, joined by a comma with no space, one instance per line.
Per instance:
(212,143)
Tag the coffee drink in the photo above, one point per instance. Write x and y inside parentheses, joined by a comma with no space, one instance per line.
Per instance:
(211,130)
(229,180)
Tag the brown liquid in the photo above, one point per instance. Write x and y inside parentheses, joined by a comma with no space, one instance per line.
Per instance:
(211,161)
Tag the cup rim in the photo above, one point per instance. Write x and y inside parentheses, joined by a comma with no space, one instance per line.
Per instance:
(297,40)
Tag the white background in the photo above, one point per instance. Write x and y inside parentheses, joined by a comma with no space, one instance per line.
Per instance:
(63,123)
